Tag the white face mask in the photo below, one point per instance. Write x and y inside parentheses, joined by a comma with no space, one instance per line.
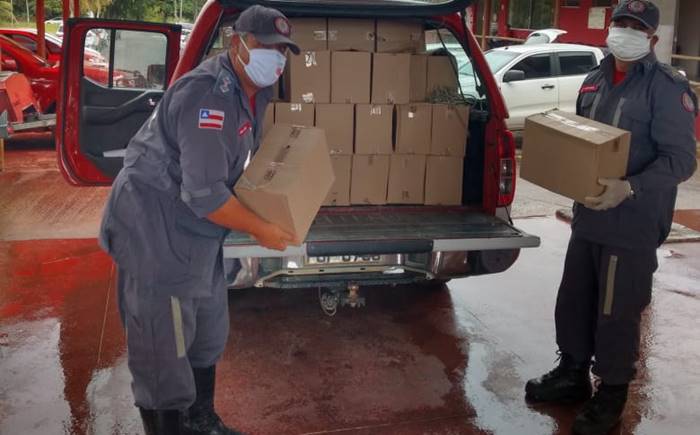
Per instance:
(628,44)
(265,65)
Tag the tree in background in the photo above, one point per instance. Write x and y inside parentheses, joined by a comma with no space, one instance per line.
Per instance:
(97,7)
(6,13)
(141,10)
(155,10)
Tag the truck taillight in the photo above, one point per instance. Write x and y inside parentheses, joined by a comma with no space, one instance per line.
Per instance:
(506,172)
(505,184)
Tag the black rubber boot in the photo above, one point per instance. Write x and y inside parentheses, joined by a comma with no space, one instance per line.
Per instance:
(200,418)
(603,412)
(161,421)
(569,382)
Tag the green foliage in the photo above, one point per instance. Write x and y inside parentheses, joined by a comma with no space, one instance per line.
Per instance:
(140,10)
(6,11)
(154,10)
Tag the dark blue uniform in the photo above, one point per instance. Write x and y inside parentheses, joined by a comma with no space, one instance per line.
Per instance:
(611,258)
(179,167)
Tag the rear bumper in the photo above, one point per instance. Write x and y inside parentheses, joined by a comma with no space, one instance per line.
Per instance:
(300,272)
(383,245)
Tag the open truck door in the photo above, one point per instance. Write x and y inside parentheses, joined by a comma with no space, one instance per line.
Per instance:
(103,104)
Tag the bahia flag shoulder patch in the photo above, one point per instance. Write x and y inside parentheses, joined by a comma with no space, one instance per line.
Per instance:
(211,119)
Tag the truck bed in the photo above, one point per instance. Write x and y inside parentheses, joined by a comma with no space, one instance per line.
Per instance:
(387,230)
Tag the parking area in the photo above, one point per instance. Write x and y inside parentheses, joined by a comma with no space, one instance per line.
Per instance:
(440,360)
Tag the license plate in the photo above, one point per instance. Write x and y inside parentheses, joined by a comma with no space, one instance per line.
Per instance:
(345,259)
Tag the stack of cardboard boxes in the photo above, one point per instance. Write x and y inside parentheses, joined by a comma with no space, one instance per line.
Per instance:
(366,83)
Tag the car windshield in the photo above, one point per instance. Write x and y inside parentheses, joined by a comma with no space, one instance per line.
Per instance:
(29,53)
(496,59)
(54,39)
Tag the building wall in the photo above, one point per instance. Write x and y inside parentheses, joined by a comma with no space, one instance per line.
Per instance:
(572,19)
(575,21)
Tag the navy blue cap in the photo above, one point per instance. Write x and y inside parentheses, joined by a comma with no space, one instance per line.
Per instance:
(643,11)
(268,25)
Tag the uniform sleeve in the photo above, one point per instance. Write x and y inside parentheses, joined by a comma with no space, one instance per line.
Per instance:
(673,130)
(202,132)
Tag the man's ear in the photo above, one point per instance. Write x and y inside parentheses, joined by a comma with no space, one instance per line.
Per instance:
(654,40)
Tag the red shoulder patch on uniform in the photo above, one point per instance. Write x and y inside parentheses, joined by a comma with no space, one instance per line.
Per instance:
(688,103)
(588,88)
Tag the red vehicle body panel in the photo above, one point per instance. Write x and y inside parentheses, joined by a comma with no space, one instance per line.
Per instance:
(42,76)
(71,161)
(53,50)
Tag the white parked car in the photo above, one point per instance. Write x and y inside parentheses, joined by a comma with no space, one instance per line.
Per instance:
(535,78)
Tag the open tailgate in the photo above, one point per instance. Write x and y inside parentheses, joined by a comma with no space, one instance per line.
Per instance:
(382,230)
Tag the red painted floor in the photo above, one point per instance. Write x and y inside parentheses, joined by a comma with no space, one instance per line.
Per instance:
(414,361)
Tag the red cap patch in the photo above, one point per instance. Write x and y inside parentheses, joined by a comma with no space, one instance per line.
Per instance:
(282,26)
(688,103)
(636,7)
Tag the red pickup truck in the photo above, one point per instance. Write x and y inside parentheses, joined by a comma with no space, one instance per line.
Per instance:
(347,246)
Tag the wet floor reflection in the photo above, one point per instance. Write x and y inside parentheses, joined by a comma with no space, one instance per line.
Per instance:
(414,361)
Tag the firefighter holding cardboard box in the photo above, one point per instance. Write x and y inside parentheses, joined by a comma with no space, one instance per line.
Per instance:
(169,211)
(611,257)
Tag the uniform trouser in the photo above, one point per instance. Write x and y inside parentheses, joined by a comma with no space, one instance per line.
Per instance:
(602,295)
(168,336)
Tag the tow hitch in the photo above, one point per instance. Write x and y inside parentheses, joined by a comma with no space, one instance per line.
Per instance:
(331,298)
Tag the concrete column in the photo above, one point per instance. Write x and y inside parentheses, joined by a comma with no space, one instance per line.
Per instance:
(667,29)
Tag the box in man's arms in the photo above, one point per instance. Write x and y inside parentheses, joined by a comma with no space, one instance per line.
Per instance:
(567,153)
(289,178)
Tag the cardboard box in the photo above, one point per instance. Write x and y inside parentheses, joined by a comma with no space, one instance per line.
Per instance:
(391,82)
(441,73)
(269,118)
(406,179)
(308,77)
(350,76)
(443,180)
(373,128)
(413,128)
(567,154)
(288,179)
(370,176)
(294,114)
(449,131)
(351,34)
(338,122)
(418,77)
(310,34)
(400,36)
(339,194)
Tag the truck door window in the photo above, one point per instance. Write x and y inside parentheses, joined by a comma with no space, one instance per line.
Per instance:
(138,60)
(537,66)
(576,63)
(441,41)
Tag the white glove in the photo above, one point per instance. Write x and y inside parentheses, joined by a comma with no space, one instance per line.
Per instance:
(615,192)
